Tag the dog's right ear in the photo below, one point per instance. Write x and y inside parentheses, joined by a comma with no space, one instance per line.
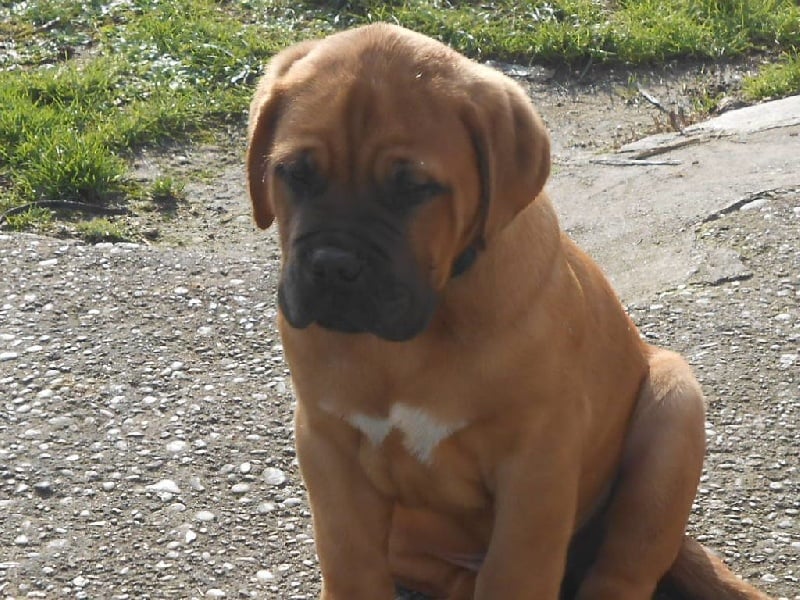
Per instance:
(264,114)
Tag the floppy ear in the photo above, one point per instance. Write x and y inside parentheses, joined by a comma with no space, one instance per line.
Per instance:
(264,115)
(512,148)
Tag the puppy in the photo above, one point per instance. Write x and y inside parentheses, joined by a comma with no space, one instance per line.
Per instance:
(477,416)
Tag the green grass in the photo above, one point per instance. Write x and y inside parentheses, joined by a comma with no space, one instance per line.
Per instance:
(33,217)
(143,73)
(166,190)
(84,85)
(632,31)
(102,230)
(775,80)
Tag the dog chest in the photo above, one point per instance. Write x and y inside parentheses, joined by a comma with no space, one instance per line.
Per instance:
(421,432)
(414,456)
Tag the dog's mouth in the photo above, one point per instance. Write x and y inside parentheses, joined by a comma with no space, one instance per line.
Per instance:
(393,317)
(354,290)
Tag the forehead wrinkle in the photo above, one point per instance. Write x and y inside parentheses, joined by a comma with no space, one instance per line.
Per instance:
(371,130)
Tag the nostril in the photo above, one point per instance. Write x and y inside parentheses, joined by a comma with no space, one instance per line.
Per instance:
(333,264)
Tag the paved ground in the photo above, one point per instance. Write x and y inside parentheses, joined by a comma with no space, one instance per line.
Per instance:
(145,424)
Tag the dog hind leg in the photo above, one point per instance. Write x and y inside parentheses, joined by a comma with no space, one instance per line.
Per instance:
(660,469)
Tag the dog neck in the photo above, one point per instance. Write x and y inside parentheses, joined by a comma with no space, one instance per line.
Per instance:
(511,272)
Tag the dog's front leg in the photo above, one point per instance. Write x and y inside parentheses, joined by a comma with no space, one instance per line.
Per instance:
(351,518)
(535,502)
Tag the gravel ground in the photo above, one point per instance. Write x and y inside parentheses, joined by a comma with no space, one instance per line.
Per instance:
(145,410)
(145,440)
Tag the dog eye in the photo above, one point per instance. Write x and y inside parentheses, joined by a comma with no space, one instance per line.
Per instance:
(405,187)
(301,175)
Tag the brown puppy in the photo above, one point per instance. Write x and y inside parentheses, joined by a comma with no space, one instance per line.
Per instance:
(477,416)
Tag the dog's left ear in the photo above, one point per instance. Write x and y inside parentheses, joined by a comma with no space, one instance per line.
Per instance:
(511,145)
(264,116)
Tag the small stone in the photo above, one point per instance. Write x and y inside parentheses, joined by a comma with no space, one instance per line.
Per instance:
(205,516)
(177,446)
(189,536)
(753,205)
(265,507)
(245,467)
(181,291)
(265,576)
(274,476)
(240,488)
(215,593)
(165,485)
(290,502)
(6,356)
(21,540)
(80,581)
(43,489)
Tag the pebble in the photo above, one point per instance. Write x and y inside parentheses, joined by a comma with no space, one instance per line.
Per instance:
(43,489)
(6,356)
(215,593)
(265,507)
(177,446)
(240,488)
(274,476)
(265,575)
(205,516)
(165,485)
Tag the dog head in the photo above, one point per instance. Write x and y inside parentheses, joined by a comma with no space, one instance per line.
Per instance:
(388,161)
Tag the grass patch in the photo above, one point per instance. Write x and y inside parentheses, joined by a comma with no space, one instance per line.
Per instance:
(775,80)
(85,84)
(135,73)
(101,230)
(632,31)
(166,189)
(34,217)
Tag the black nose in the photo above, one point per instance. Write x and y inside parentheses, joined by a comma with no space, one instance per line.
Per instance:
(335,265)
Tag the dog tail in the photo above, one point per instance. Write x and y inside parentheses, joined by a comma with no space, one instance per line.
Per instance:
(698,574)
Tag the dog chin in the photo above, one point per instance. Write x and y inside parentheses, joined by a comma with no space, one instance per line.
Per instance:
(393,327)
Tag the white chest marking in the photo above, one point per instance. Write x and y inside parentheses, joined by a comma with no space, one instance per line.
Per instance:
(375,428)
(421,432)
